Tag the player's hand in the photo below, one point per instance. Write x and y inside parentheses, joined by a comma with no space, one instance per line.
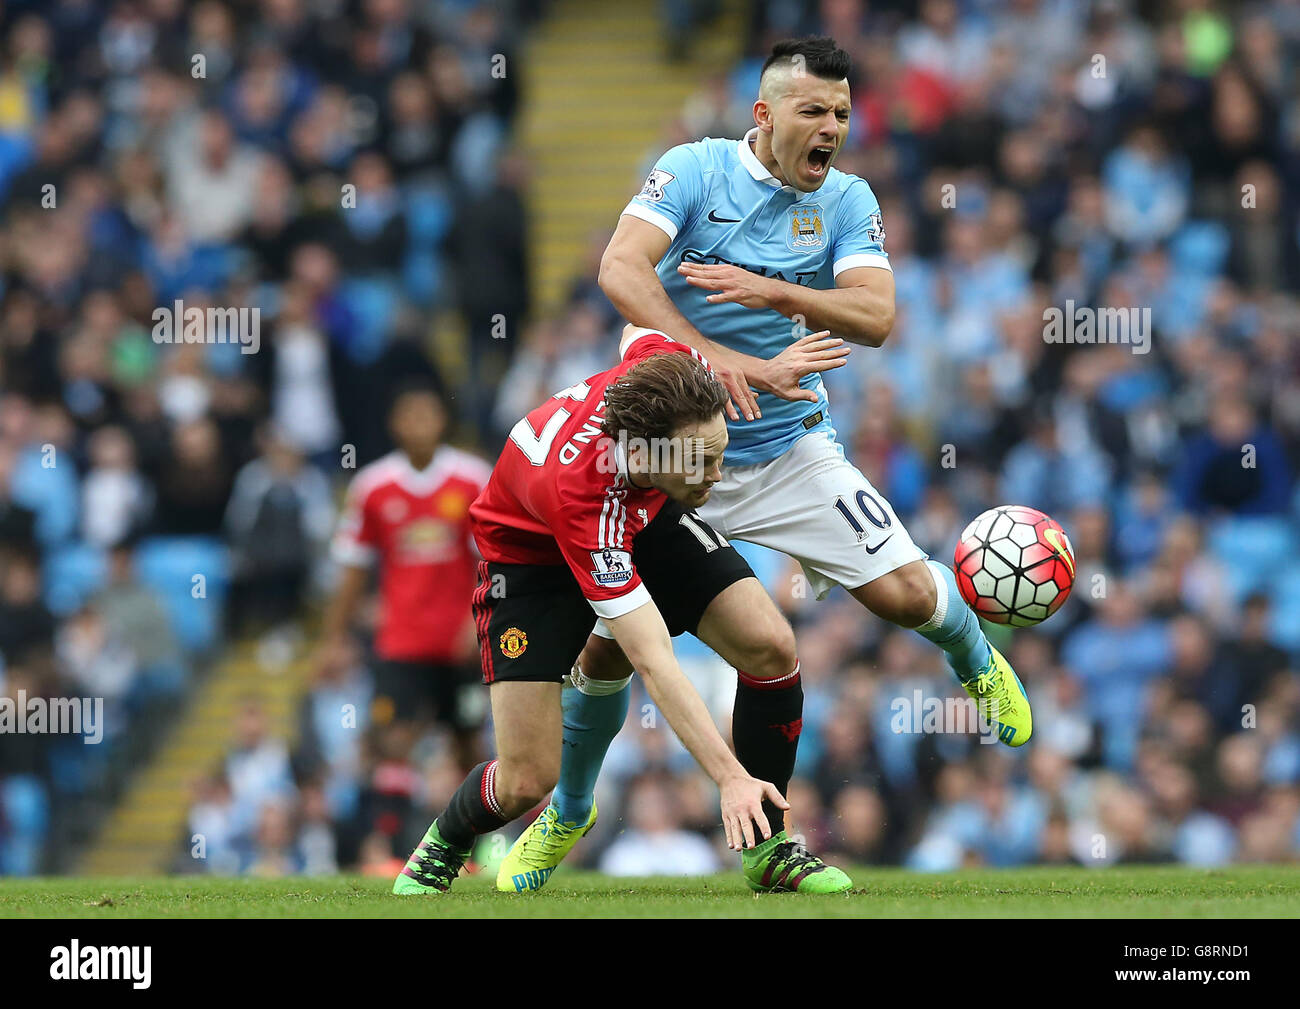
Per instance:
(730,369)
(743,399)
(814,352)
(742,807)
(729,284)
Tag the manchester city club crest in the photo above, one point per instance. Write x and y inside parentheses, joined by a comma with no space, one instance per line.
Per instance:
(806,232)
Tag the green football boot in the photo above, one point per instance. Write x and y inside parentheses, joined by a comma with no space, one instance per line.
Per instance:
(432,867)
(780,865)
(539,850)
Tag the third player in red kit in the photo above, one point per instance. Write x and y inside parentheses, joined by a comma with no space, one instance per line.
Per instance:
(407,517)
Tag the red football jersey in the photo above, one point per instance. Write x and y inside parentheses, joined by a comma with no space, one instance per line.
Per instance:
(559,493)
(415,524)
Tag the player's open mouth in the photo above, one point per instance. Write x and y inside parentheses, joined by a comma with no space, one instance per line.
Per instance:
(819,159)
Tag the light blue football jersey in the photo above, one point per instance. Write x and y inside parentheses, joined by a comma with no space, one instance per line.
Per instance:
(718,204)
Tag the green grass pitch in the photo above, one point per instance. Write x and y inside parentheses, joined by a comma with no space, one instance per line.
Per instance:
(1137,892)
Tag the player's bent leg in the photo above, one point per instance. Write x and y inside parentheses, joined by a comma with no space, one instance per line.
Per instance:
(905,596)
(923,596)
(526,722)
(594,708)
(743,625)
(816,506)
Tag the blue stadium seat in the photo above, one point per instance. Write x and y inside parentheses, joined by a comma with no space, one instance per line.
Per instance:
(1286,610)
(428,216)
(422,277)
(373,304)
(77,768)
(168,565)
(1199,247)
(73,573)
(1249,547)
(25,811)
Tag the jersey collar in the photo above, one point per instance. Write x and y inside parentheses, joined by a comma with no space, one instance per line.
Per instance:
(756,169)
(421,481)
(620,461)
(623,479)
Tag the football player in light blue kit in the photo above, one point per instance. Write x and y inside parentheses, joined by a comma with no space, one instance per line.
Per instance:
(739,248)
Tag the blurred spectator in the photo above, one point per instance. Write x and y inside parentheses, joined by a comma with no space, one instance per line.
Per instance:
(277,523)
(135,616)
(654,843)
(25,621)
(1235,465)
(257,767)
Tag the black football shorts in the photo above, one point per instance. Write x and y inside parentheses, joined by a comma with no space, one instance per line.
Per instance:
(533,619)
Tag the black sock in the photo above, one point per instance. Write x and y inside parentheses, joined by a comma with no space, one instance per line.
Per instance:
(765,725)
(473,810)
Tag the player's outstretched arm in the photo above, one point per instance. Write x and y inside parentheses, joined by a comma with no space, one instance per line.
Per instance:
(628,278)
(644,639)
(860,308)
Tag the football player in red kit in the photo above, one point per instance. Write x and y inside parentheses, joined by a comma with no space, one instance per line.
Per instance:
(589,514)
(407,517)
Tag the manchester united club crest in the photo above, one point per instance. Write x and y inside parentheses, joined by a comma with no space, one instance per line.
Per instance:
(806,232)
(514,643)
(453,505)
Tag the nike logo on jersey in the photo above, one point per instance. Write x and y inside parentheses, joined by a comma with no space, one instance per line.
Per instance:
(878,545)
(713,216)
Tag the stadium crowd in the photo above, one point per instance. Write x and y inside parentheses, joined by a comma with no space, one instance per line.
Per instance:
(1026,153)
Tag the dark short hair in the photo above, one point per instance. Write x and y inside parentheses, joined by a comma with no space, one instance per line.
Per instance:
(661,394)
(415,385)
(821,56)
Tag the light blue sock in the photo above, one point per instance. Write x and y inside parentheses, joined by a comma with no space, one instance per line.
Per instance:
(954,626)
(594,712)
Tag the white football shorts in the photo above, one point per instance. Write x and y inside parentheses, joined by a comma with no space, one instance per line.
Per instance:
(817,507)
(814,505)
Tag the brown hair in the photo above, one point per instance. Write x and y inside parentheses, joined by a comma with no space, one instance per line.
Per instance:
(661,394)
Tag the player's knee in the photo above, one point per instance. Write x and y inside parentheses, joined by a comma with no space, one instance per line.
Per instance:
(770,650)
(906,597)
(602,659)
(919,596)
(524,784)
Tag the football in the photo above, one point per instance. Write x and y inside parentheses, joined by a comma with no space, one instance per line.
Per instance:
(1014,565)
